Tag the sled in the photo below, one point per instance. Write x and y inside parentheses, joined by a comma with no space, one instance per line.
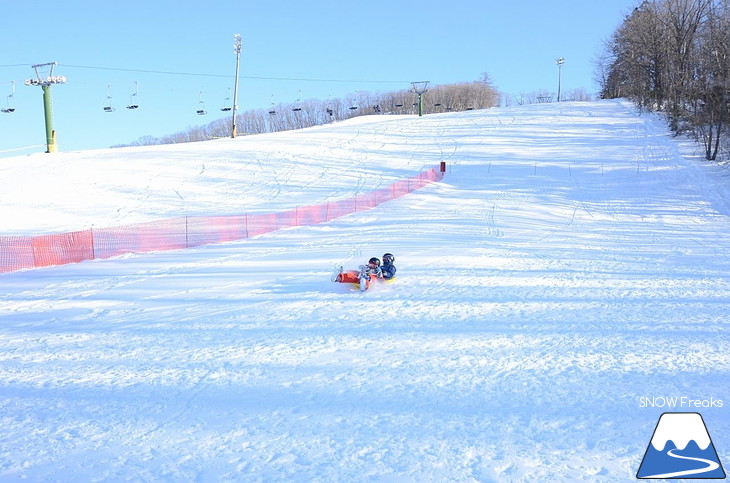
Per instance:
(376,281)
(352,277)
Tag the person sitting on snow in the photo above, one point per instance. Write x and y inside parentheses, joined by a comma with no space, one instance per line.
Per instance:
(387,267)
(363,276)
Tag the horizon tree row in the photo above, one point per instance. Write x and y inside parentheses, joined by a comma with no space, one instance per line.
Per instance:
(479,94)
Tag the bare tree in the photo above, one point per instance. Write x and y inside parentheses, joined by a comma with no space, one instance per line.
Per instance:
(708,108)
(672,56)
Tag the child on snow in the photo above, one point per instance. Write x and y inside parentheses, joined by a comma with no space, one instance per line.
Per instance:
(387,267)
(363,276)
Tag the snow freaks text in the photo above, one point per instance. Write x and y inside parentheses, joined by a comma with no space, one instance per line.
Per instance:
(678,402)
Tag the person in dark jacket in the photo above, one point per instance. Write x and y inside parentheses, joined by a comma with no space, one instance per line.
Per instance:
(387,268)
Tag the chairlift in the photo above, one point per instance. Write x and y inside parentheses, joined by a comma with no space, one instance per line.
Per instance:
(376,108)
(108,106)
(201,108)
(132,98)
(330,111)
(298,107)
(399,105)
(227,102)
(10,101)
(438,104)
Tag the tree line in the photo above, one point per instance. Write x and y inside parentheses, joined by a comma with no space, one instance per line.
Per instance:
(673,56)
(479,94)
(543,95)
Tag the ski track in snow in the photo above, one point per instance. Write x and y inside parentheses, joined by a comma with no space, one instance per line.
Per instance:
(571,261)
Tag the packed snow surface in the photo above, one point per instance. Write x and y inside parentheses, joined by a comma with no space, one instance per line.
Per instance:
(568,278)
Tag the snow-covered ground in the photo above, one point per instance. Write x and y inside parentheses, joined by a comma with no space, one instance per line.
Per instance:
(573,265)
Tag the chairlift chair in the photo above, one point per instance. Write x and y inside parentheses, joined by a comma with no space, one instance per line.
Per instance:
(201,108)
(297,106)
(227,102)
(10,101)
(108,106)
(132,103)
(10,108)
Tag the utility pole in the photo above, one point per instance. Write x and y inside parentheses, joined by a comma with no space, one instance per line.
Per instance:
(560,61)
(420,88)
(46,84)
(237,50)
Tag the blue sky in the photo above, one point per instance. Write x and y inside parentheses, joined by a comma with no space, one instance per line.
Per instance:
(181,53)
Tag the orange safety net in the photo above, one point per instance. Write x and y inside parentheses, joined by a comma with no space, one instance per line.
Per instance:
(20,252)
(62,248)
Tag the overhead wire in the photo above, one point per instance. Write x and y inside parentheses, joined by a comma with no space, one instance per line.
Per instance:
(224,76)
(198,74)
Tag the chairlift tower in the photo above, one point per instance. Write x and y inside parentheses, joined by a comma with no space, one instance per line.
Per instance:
(237,50)
(560,61)
(46,83)
(420,88)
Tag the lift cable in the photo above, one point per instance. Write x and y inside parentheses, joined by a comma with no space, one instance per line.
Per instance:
(293,79)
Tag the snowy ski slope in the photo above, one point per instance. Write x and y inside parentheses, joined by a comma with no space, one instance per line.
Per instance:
(573,264)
